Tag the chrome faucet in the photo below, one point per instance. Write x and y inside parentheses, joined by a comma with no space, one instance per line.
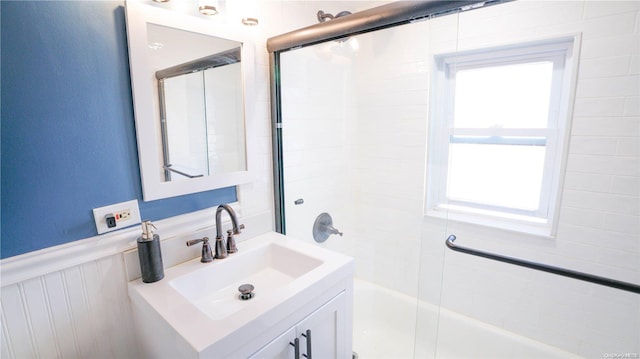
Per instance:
(221,250)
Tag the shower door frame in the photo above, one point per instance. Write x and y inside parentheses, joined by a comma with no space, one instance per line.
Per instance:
(378,18)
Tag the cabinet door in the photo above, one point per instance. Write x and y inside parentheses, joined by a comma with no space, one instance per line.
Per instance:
(327,328)
(278,348)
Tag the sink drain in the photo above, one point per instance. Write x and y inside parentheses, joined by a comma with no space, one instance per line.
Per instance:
(246,291)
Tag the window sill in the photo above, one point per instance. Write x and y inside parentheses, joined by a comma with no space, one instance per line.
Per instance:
(519,224)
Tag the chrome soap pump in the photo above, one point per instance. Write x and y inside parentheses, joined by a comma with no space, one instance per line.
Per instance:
(150,254)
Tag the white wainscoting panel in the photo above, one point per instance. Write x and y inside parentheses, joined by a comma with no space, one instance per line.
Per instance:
(71,301)
(78,312)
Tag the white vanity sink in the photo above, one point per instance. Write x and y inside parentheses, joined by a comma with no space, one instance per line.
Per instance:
(195,311)
(269,267)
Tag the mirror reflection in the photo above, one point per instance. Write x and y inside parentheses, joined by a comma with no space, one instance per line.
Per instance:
(200,99)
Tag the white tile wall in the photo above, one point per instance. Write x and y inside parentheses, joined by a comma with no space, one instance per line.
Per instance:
(315,162)
(375,186)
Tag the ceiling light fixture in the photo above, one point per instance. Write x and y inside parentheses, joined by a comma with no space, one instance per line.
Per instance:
(208,10)
(250,21)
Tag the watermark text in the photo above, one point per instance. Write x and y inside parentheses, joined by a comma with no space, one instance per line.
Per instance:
(621,355)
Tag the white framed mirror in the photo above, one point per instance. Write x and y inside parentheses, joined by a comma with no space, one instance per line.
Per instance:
(191,81)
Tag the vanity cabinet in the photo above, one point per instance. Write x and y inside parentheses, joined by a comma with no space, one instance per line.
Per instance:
(322,334)
(302,292)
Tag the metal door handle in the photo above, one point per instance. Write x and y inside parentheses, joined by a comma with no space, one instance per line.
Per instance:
(308,336)
(296,348)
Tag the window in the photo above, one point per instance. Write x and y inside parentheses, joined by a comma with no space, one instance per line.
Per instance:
(497,135)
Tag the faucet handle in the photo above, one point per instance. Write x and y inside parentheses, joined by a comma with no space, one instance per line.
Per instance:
(207,256)
(333,230)
(196,241)
(239,229)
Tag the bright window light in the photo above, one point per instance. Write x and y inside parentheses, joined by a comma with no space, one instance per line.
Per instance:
(511,96)
(496,175)
(497,135)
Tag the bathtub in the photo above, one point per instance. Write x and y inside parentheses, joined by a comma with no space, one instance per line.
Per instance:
(385,326)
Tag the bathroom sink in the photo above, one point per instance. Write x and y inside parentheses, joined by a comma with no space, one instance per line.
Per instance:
(197,307)
(268,268)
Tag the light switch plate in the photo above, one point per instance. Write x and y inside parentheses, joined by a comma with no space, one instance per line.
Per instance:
(130,215)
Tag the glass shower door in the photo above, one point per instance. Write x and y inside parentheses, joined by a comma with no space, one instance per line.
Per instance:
(357,146)
(354,119)
(492,309)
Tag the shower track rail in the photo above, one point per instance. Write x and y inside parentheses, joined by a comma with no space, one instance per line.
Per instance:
(612,283)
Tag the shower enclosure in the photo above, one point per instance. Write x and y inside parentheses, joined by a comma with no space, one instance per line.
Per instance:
(353,112)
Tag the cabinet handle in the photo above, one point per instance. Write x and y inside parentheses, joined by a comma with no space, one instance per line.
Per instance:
(296,348)
(308,336)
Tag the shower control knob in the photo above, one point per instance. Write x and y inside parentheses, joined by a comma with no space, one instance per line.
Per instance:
(323,228)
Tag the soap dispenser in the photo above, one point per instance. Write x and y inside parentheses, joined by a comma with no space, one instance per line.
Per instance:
(150,254)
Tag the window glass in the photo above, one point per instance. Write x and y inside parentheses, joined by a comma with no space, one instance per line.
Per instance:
(496,175)
(507,96)
(498,135)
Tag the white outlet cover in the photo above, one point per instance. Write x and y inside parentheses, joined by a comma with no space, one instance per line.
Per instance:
(100,213)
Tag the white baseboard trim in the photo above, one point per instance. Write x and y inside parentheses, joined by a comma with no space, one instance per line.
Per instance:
(37,263)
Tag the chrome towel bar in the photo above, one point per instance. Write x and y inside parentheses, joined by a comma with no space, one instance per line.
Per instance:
(630,287)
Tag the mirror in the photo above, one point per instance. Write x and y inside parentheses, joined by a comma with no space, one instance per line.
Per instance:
(188,80)
(201,115)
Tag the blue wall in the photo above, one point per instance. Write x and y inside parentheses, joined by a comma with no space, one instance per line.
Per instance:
(68,135)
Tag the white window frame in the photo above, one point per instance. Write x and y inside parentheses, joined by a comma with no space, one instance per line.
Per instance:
(542,221)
